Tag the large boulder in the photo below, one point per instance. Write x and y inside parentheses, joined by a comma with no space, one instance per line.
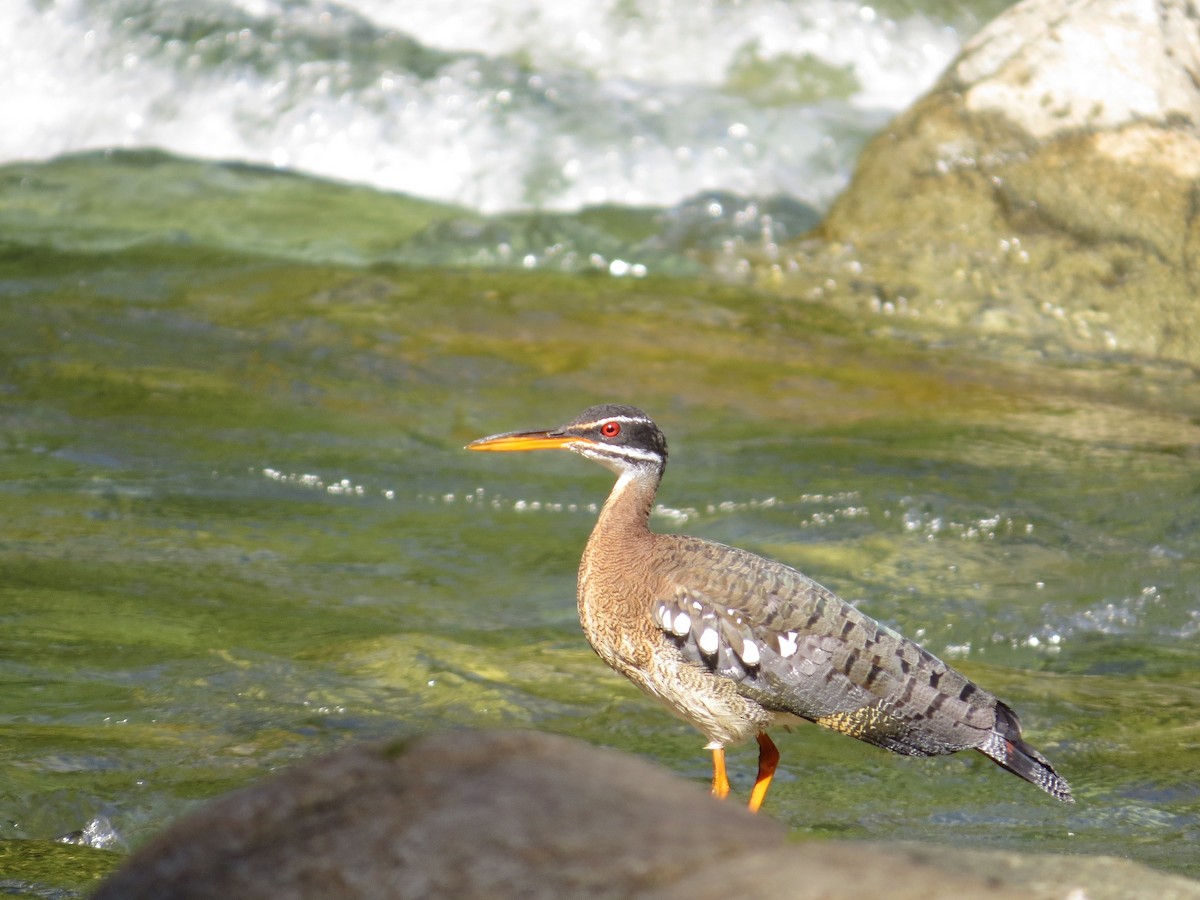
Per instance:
(1047,188)
(511,814)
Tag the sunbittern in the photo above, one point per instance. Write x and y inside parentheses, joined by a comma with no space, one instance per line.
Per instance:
(735,643)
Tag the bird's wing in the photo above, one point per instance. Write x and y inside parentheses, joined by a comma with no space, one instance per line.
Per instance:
(795,646)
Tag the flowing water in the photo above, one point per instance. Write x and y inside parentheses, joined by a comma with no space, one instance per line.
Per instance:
(493,105)
(238,528)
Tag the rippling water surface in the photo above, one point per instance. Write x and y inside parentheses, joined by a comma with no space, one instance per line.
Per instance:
(240,529)
(238,526)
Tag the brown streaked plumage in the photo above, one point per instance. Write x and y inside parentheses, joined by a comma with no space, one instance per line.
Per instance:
(735,643)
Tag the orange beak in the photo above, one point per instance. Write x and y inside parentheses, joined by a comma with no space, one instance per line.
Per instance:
(523,440)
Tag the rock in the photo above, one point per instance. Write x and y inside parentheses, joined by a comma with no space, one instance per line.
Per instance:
(459,815)
(511,814)
(1046,188)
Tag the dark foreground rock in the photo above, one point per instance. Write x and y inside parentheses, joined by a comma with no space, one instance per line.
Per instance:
(511,814)
(1046,189)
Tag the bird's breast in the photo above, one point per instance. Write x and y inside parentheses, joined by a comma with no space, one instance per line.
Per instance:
(615,592)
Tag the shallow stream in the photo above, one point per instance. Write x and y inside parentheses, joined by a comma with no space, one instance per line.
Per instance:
(239,529)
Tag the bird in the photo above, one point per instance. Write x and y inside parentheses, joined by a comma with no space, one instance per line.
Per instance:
(735,643)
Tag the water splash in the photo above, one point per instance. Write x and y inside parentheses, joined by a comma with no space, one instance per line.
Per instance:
(547,105)
(98,834)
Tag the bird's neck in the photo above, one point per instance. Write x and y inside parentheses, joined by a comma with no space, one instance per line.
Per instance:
(618,545)
(626,512)
(614,575)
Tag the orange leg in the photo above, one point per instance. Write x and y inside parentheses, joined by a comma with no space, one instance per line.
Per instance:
(720,785)
(768,759)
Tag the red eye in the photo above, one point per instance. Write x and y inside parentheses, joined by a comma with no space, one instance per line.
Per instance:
(610,429)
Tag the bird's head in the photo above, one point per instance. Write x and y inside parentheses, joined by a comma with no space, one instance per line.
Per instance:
(622,438)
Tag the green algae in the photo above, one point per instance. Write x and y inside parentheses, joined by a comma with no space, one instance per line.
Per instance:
(123,199)
(52,869)
(239,530)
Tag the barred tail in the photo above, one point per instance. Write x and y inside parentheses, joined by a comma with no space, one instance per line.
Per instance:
(1005,746)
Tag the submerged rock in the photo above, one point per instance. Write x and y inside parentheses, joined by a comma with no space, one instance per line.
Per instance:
(1046,188)
(511,814)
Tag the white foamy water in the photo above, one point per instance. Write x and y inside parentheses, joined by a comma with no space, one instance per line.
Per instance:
(496,105)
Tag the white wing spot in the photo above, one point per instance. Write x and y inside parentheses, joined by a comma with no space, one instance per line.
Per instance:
(664,617)
(750,653)
(682,624)
(709,640)
(787,644)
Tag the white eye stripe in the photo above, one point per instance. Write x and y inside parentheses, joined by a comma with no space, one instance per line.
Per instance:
(638,453)
(627,420)
(618,452)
